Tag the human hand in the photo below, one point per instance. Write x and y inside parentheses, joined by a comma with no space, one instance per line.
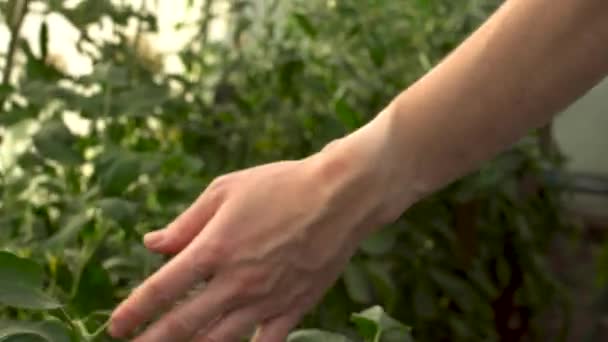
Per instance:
(269,241)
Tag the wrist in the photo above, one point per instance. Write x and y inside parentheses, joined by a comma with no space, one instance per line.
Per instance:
(366,165)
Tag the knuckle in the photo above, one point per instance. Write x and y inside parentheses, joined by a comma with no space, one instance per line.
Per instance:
(210,253)
(215,249)
(201,267)
(220,184)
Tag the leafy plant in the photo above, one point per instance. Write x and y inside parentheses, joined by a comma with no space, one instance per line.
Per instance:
(288,77)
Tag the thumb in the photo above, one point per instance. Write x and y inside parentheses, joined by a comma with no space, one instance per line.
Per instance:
(179,233)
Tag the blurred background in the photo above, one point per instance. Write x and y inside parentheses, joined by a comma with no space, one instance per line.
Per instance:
(116,114)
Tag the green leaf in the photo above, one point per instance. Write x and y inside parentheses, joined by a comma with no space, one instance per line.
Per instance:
(424,5)
(376,49)
(55,141)
(347,115)
(39,93)
(15,269)
(119,210)
(112,75)
(26,297)
(5,91)
(503,271)
(87,12)
(461,328)
(305,24)
(95,290)
(121,172)
(37,69)
(380,242)
(8,12)
(21,284)
(357,284)
(314,335)
(383,282)
(30,160)
(424,302)
(46,331)
(140,101)
(377,326)
(460,291)
(480,277)
(73,226)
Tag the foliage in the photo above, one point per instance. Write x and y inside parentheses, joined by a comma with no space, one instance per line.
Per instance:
(288,77)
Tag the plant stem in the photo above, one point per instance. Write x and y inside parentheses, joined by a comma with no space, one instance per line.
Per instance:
(207,16)
(136,41)
(17,13)
(204,34)
(15,22)
(67,319)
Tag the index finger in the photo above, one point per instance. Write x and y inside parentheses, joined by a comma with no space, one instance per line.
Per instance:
(190,267)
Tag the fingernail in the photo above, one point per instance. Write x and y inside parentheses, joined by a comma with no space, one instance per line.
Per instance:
(153,239)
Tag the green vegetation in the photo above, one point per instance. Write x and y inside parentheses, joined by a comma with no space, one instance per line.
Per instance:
(467,264)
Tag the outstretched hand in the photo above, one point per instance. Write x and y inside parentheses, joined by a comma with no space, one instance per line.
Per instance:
(267,242)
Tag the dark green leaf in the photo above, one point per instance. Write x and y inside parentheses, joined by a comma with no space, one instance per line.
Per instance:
(503,271)
(461,328)
(305,24)
(424,5)
(38,69)
(14,269)
(380,242)
(95,290)
(375,325)
(424,302)
(26,297)
(73,226)
(140,101)
(5,91)
(347,115)
(87,12)
(357,284)
(20,331)
(121,211)
(383,282)
(121,172)
(55,141)
(314,335)
(460,291)
(376,50)
(30,160)
(21,284)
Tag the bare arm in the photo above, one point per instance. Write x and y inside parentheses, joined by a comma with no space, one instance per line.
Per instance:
(526,63)
(271,239)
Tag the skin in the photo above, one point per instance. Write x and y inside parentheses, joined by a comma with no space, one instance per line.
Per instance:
(270,240)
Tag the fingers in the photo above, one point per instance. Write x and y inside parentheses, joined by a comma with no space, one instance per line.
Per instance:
(186,226)
(188,269)
(233,327)
(278,328)
(183,321)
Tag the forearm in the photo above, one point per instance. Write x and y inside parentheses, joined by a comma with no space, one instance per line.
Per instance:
(526,63)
